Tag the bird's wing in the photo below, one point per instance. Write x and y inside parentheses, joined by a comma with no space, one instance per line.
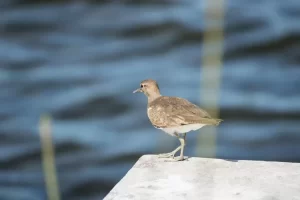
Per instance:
(175,111)
(184,107)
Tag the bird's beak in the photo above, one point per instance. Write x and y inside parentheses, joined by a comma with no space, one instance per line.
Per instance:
(137,90)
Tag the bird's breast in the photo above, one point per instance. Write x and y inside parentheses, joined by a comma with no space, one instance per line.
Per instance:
(156,115)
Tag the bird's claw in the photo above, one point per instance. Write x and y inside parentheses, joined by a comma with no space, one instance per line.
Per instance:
(176,159)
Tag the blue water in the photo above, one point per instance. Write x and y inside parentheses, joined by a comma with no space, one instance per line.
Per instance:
(80,63)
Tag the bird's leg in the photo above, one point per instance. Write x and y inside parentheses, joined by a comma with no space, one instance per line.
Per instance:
(183,143)
(172,153)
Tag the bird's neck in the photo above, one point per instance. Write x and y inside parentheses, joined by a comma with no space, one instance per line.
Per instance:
(153,96)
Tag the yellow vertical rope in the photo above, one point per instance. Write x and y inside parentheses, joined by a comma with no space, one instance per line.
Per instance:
(48,159)
(211,72)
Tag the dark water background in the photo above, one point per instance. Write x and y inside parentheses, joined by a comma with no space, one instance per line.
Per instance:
(80,61)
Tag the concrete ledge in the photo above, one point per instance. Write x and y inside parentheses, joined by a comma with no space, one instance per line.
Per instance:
(152,178)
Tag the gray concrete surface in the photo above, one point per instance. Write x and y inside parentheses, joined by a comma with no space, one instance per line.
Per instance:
(151,178)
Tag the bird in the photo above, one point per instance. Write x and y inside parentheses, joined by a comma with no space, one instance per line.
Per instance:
(173,115)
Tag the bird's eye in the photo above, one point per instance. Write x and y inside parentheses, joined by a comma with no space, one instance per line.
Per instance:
(142,86)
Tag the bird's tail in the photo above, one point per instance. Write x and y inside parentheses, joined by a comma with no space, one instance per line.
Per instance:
(218,121)
(210,121)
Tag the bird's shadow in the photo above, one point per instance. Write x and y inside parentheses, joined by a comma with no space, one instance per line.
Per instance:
(231,160)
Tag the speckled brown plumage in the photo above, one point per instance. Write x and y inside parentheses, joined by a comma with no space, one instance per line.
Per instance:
(174,111)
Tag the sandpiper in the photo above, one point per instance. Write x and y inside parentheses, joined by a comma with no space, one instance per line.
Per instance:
(173,115)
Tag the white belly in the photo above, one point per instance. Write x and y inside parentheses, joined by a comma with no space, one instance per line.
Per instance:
(182,129)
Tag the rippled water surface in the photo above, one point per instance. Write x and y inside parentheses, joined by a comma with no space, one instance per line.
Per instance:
(81,61)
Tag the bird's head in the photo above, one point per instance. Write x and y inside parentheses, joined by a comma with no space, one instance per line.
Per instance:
(150,88)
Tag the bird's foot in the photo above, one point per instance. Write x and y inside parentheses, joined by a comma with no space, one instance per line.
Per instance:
(176,159)
(166,155)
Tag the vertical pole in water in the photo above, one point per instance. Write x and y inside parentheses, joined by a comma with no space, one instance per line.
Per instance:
(211,72)
(48,158)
